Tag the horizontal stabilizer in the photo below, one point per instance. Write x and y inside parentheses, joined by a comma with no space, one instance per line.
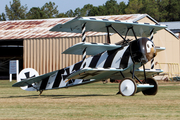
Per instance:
(91,48)
(32,80)
(100,25)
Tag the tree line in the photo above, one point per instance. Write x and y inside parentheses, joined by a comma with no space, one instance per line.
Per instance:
(161,10)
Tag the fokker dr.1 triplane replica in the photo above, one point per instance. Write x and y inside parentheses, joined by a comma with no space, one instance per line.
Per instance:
(115,61)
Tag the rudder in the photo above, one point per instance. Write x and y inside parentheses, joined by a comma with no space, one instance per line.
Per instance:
(25,74)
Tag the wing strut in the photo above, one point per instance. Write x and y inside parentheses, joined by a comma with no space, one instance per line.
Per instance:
(83,40)
(117,32)
(151,38)
(124,38)
(144,72)
(84,32)
(108,39)
(132,31)
(136,77)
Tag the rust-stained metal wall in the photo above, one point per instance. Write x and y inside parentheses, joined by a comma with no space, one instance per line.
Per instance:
(44,55)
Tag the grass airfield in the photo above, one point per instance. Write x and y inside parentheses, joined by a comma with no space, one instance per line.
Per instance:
(91,102)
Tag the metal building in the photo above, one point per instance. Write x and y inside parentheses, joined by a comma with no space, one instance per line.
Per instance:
(38,48)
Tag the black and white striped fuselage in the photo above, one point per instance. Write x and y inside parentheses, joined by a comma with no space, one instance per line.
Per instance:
(119,58)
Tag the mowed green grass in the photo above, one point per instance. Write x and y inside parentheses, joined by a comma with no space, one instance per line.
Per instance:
(89,102)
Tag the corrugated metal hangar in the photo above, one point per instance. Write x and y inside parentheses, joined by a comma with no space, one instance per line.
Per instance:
(31,42)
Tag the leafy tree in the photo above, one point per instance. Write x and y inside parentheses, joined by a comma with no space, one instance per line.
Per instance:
(134,6)
(173,9)
(16,11)
(86,9)
(61,15)
(50,9)
(36,13)
(112,8)
(102,10)
(151,8)
(69,13)
(161,10)
(163,13)
(2,17)
(94,11)
(122,7)
(77,12)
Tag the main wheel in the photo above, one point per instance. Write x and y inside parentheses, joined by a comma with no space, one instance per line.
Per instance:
(151,91)
(127,87)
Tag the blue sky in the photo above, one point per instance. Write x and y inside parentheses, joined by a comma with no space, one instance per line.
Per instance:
(63,5)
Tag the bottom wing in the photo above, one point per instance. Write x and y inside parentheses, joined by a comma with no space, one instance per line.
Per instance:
(101,73)
(94,73)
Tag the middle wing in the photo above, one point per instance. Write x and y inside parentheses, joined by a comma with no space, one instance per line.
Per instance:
(92,48)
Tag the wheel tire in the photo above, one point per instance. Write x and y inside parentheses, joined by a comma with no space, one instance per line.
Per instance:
(127,87)
(151,91)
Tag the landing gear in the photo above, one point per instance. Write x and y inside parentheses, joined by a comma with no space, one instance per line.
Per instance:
(151,91)
(40,92)
(127,87)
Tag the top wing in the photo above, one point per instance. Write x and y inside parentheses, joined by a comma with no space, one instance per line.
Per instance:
(100,25)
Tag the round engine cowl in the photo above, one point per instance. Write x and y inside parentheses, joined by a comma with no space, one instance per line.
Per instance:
(142,50)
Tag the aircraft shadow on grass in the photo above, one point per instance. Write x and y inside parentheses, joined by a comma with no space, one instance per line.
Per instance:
(57,96)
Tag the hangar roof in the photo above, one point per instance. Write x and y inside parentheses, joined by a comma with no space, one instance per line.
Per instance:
(39,28)
(173,26)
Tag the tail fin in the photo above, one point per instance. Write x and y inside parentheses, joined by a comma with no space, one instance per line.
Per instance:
(25,74)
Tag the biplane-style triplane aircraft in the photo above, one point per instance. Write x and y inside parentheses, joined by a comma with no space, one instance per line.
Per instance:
(115,61)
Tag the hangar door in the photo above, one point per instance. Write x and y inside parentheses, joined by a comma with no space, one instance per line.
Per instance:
(10,50)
